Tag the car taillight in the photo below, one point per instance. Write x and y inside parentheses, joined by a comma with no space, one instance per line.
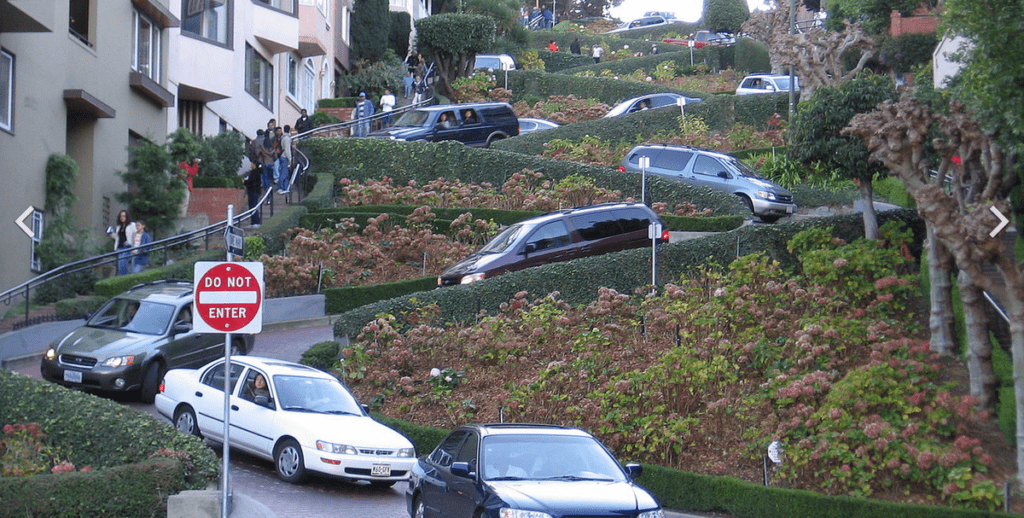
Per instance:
(162,387)
(665,235)
(622,169)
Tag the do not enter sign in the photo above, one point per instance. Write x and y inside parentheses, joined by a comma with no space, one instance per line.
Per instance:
(228,297)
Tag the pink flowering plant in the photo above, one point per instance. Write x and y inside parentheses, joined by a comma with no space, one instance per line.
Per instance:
(714,366)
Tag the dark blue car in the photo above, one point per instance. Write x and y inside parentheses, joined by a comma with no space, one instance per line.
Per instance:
(525,471)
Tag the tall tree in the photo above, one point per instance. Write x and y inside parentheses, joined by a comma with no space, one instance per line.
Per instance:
(872,14)
(725,15)
(371,25)
(983,174)
(452,41)
(814,134)
(154,191)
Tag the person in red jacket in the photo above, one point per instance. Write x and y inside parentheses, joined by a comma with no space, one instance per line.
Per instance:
(553,47)
(190,171)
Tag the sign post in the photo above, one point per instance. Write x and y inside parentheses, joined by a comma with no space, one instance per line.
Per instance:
(654,232)
(228,299)
(645,162)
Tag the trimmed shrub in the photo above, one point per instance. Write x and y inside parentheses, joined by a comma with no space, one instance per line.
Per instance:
(112,286)
(530,83)
(321,356)
(321,191)
(624,271)
(404,161)
(341,300)
(424,438)
(751,56)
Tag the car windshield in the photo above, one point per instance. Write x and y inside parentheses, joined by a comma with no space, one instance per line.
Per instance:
(133,316)
(318,395)
(547,457)
(741,168)
(503,241)
(413,119)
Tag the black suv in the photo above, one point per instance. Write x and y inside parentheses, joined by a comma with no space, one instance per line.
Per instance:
(558,236)
(473,124)
(133,340)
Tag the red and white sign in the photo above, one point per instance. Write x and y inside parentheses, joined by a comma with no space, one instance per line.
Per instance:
(228,297)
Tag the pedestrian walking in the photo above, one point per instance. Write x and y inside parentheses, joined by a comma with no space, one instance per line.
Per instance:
(596,53)
(140,247)
(574,47)
(123,234)
(387,104)
(284,160)
(304,123)
(419,86)
(552,46)
(254,189)
(364,109)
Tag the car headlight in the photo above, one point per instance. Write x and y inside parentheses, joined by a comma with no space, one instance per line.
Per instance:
(407,453)
(51,353)
(331,447)
(767,195)
(505,512)
(473,277)
(652,514)
(119,361)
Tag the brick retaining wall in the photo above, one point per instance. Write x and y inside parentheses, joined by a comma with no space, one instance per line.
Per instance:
(214,202)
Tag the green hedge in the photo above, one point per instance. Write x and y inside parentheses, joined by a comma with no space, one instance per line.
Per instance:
(321,356)
(365,159)
(337,102)
(320,187)
(713,57)
(720,112)
(96,432)
(124,491)
(341,300)
(578,280)
(424,438)
(751,56)
(79,305)
(526,84)
(563,59)
(702,493)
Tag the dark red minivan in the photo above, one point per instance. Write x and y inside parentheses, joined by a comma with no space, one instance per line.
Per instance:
(558,236)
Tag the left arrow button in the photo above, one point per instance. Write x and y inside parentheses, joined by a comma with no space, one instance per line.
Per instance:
(21,222)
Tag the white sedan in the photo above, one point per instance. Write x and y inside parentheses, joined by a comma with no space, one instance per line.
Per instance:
(301,418)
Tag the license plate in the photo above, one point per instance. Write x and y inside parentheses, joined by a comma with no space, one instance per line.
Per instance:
(789,209)
(73,376)
(380,470)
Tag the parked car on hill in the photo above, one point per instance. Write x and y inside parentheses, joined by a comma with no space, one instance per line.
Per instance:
(301,418)
(648,101)
(133,339)
(766,199)
(557,236)
(533,125)
(640,23)
(765,84)
(473,124)
(525,471)
(494,62)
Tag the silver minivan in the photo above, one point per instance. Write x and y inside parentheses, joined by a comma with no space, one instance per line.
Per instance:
(766,199)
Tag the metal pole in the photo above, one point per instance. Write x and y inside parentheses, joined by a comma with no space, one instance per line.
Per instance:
(792,75)
(225,478)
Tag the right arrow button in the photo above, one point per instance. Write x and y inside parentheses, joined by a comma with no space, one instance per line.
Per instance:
(1002,222)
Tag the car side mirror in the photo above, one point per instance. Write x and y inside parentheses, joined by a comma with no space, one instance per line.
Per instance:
(181,328)
(634,471)
(770,88)
(366,408)
(529,248)
(462,469)
(262,401)
(725,175)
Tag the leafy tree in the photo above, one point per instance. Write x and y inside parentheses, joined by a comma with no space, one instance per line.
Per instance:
(373,78)
(512,36)
(907,51)
(900,134)
(814,134)
(62,242)
(222,154)
(452,41)
(872,14)
(398,38)
(155,191)
(371,25)
(725,15)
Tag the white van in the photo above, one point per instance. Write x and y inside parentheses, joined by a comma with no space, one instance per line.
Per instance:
(494,62)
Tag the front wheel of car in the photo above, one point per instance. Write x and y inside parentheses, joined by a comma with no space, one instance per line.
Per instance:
(185,421)
(747,202)
(419,511)
(288,459)
(151,381)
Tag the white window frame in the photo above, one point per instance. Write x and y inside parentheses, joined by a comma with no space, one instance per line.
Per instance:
(346,19)
(214,20)
(6,90)
(259,77)
(38,220)
(308,85)
(293,82)
(154,52)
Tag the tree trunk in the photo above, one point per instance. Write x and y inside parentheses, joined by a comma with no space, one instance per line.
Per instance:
(1017,351)
(870,218)
(979,347)
(940,268)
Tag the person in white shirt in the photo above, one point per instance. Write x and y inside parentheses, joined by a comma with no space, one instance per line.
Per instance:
(387,103)
(596,53)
